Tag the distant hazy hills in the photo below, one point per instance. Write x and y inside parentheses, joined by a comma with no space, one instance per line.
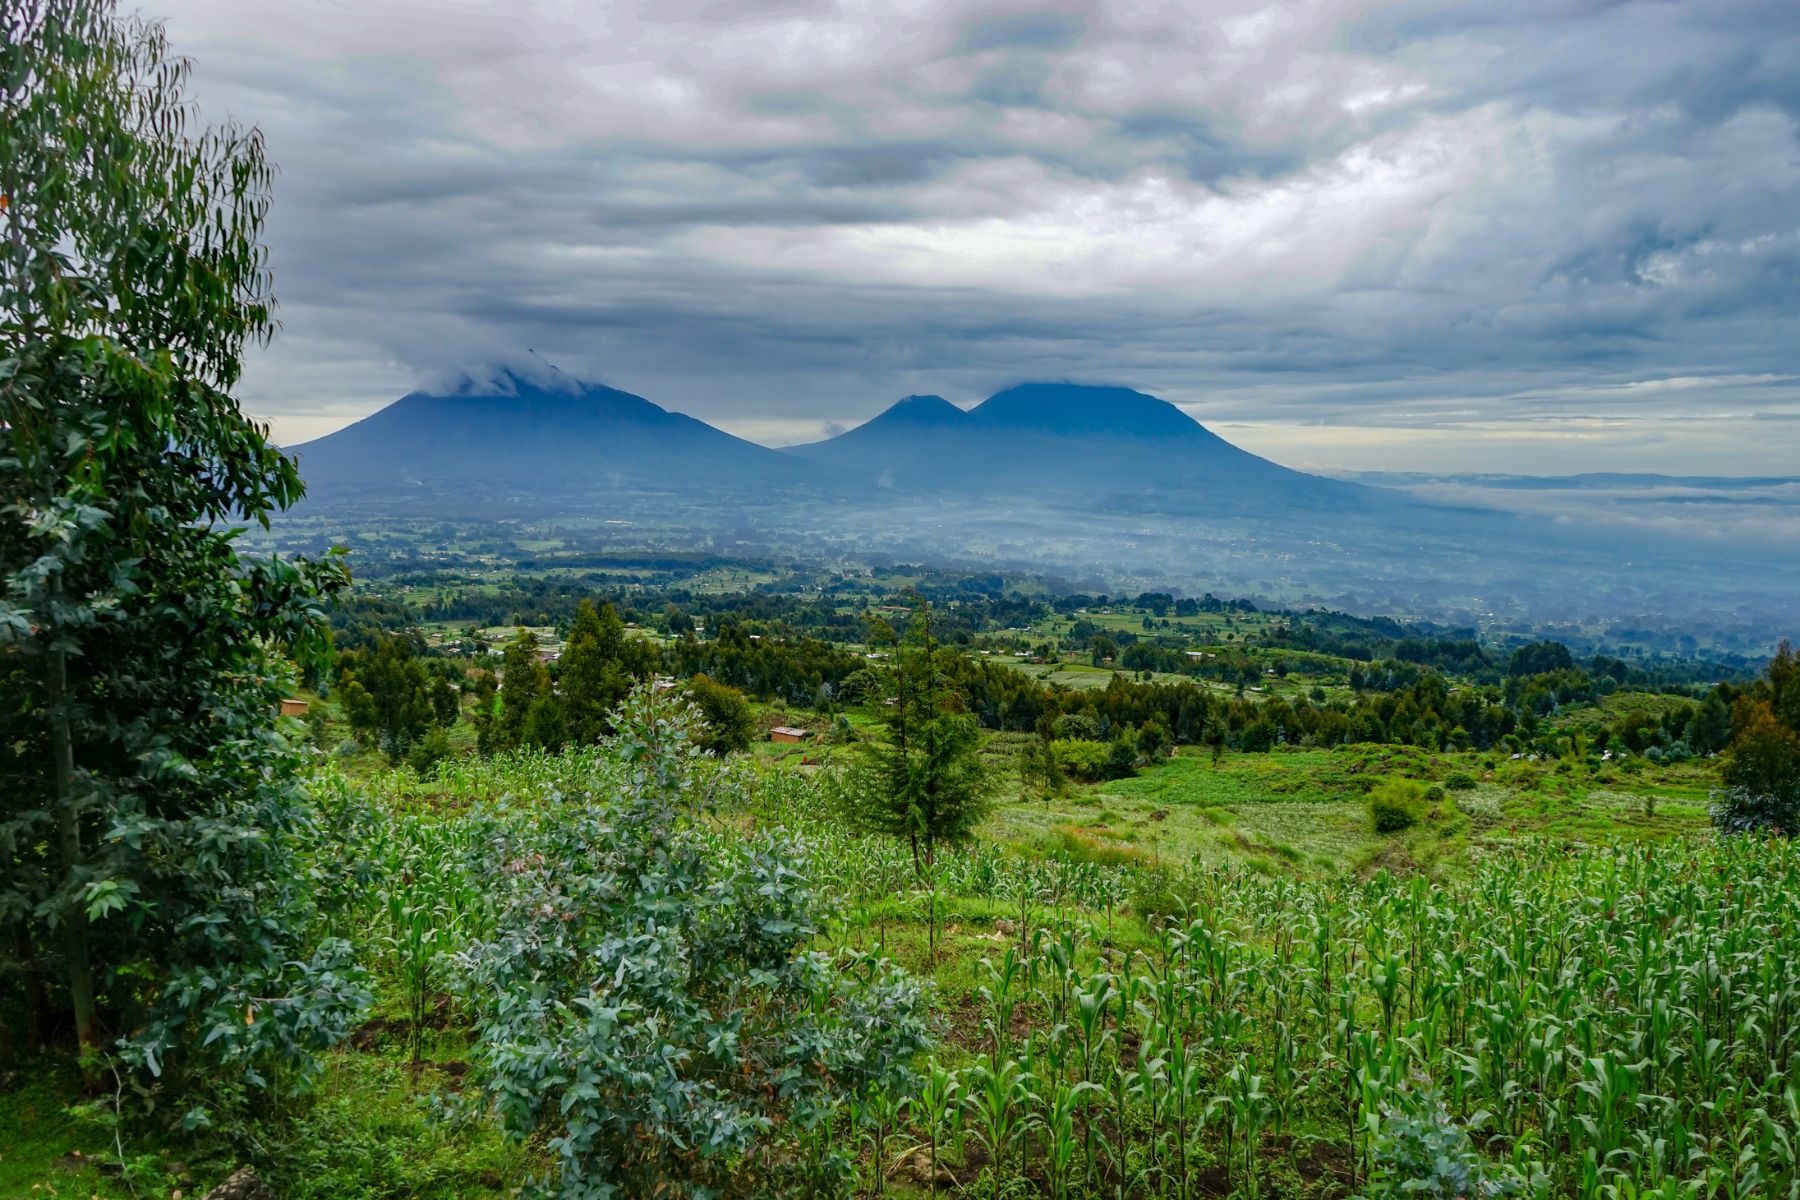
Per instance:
(1047,477)
(1071,441)
(512,436)
(515,438)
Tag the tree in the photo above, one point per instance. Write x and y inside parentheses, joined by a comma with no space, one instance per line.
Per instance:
(390,698)
(544,727)
(1765,753)
(1762,767)
(1709,731)
(592,679)
(1539,658)
(729,721)
(1103,649)
(930,784)
(150,809)
(926,781)
(524,681)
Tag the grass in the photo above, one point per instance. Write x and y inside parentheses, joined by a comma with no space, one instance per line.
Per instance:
(374,1132)
(44,1149)
(1303,811)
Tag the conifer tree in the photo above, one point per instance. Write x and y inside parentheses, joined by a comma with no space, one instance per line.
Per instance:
(925,781)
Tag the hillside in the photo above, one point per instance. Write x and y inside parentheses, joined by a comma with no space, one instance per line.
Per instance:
(513,438)
(1132,449)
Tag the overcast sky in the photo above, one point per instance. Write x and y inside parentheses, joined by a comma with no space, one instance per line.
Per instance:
(1529,235)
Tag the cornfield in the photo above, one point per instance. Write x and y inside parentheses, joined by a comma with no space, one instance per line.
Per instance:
(1604,1023)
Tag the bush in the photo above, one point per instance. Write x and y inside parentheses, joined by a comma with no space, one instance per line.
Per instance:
(428,751)
(1741,810)
(1460,781)
(1161,896)
(656,1015)
(1434,793)
(1396,806)
(1420,1151)
(1258,737)
(729,721)
(1082,758)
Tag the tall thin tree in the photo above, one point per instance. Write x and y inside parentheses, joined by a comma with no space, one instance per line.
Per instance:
(148,805)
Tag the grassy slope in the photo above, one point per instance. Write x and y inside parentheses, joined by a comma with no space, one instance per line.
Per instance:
(371,1133)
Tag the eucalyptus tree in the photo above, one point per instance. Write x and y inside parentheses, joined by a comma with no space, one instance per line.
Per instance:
(149,809)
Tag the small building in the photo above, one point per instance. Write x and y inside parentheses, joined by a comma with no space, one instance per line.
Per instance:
(292,707)
(789,733)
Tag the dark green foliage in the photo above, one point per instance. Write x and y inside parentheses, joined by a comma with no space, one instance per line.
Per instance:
(1396,806)
(1459,781)
(1122,755)
(653,1012)
(592,674)
(1709,730)
(151,821)
(1742,810)
(1762,767)
(389,698)
(729,721)
(1539,658)
(544,727)
(925,782)
(525,688)
(429,750)
(1258,737)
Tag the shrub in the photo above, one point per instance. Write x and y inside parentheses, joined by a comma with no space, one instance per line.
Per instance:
(1258,737)
(1082,758)
(1160,895)
(1460,781)
(729,721)
(430,750)
(1420,1151)
(1741,810)
(654,1013)
(1396,806)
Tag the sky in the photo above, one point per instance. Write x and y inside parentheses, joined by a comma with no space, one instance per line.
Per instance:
(1538,236)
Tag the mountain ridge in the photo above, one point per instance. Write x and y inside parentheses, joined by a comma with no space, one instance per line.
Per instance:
(516,435)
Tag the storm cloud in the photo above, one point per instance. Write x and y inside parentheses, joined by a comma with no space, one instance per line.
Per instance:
(1533,236)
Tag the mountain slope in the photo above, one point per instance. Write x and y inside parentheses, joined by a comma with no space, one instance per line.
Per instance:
(516,437)
(1129,450)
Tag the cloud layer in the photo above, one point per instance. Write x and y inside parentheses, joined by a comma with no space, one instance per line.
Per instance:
(1546,235)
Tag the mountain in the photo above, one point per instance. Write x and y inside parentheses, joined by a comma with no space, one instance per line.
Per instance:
(1133,450)
(514,438)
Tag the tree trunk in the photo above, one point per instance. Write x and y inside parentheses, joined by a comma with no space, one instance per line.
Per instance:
(38,1016)
(68,830)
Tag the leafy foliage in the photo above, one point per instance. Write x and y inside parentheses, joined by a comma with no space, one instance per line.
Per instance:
(1396,806)
(926,782)
(649,1003)
(152,820)
(390,698)
(729,722)
(1762,767)
(1419,1150)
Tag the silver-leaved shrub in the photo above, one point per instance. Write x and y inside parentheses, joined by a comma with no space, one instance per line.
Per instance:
(652,1007)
